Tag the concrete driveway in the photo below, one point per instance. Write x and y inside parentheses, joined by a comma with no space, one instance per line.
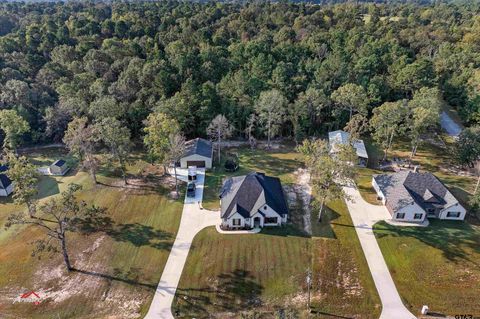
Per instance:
(364,216)
(193,220)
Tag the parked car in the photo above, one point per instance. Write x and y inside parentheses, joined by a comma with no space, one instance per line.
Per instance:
(192,173)
(191,189)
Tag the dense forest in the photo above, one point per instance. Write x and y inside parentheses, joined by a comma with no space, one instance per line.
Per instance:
(321,64)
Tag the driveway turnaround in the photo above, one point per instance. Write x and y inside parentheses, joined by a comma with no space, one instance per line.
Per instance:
(364,216)
(194,219)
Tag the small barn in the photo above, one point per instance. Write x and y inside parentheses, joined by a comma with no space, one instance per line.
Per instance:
(59,167)
(6,184)
(198,152)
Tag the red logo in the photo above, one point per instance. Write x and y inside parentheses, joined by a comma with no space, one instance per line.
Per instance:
(31,296)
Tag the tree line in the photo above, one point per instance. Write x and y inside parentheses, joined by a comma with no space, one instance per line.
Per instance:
(192,61)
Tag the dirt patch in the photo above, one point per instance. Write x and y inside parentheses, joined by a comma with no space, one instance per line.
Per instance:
(299,196)
(93,280)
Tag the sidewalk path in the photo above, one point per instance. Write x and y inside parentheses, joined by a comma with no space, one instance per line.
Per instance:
(364,216)
(193,220)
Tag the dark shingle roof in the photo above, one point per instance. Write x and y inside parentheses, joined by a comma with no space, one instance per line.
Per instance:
(406,187)
(198,146)
(59,163)
(247,194)
(4,180)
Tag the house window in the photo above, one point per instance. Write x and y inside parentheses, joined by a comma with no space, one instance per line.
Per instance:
(417,216)
(270,220)
(400,215)
(265,207)
(453,214)
(236,222)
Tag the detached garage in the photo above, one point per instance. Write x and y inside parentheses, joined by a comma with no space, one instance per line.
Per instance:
(198,153)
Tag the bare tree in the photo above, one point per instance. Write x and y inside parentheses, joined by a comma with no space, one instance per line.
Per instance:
(218,130)
(117,139)
(57,217)
(271,109)
(81,140)
(251,123)
(175,152)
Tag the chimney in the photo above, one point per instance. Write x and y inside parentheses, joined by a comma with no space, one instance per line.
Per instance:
(415,169)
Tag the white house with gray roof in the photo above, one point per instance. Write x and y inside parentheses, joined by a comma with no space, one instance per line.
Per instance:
(198,152)
(253,200)
(413,197)
(337,138)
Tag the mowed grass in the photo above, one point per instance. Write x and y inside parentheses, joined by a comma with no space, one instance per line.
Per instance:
(364,184)
(436,266)
(342,283)
(281,163)
(262,275)
(231,275)
(430,158)
(249,274)
(119,256)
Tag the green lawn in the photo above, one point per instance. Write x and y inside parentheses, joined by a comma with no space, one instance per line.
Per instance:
(430,158)
(436,266)
(342,284)
(262,274)
(280,163)
(364,184)
(249,274)
(120,257)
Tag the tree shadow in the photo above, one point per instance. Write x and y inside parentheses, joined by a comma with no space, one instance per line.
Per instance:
(48,186)
(323,314)
(130,277)
(451,237)
(284,231)
(134,233)
(323,228)
(236,291)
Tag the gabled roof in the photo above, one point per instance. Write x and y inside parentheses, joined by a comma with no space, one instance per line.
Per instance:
(59,163)
(198,146)
(340,137)
(4,180)
(247,194)
(406,187)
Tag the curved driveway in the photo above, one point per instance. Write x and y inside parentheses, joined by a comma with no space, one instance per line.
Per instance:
(193,220)
(364,216)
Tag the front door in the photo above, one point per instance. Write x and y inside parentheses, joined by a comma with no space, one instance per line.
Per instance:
(256,222)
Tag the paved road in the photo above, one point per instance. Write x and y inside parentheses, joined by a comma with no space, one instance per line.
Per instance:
(449,125)
(193,220)
(364,216)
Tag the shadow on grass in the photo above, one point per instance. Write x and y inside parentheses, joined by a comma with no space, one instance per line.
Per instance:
(284,231)
(328,315)
(130,277)
(48,186)
(323,228)
(134,233)
(451,237)
(234,292)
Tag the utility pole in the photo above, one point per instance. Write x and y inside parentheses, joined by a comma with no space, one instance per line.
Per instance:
(309,282)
